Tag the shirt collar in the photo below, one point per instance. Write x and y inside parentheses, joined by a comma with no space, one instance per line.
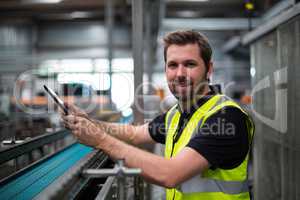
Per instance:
(212,91)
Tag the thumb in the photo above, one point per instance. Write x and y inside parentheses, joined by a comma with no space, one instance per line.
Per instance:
(70,106)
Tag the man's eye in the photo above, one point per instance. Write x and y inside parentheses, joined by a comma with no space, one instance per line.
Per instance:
(191,64)
(172,65)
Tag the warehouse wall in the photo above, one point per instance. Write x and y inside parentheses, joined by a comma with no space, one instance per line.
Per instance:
(81,40)
(16,52)
(24,44)
(275,58)
(16,46)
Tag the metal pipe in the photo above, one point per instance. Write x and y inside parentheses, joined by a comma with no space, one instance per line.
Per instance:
(120,171)
(137,46)
(109,16)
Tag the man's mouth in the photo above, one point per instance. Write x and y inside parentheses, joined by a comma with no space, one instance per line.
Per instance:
(183,83)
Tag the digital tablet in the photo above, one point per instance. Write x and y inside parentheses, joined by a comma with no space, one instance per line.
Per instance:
(56,99)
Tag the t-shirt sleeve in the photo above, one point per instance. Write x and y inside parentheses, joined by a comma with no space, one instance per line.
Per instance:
(157,129)
(223,139)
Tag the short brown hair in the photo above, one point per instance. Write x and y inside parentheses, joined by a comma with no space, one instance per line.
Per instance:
(189,37)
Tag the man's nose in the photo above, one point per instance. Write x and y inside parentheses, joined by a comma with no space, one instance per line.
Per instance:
(181,70)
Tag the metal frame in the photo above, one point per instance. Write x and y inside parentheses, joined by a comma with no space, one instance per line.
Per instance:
(271,24)
(106,189)
(277,8)
(28,146)
(137,46)
(120,171)
(231,44)
(109,20)
(209,23)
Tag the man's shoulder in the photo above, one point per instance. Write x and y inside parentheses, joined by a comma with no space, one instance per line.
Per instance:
(228,111)
(230,106)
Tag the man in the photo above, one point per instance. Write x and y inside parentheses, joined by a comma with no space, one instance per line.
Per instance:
(207,136)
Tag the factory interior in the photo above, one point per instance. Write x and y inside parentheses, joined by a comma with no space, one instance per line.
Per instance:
(107,58)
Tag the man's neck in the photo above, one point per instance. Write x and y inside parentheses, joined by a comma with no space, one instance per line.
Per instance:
(186,105)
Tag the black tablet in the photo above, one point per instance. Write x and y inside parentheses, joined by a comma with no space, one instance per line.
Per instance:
(57,100)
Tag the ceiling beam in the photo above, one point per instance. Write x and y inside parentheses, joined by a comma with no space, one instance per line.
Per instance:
(271,24)
(231,44)
(214,24)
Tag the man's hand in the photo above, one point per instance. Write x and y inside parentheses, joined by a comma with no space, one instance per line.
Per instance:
(74,110)
(84,130)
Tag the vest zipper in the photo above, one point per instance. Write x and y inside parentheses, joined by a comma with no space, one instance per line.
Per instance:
(173,145)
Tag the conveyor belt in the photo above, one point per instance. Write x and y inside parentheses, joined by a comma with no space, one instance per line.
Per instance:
(39,176)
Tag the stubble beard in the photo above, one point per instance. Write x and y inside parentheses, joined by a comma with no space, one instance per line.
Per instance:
(192,94)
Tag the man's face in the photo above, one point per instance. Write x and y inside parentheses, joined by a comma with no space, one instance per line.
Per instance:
(185,71)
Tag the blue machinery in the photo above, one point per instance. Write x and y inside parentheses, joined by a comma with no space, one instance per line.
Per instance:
(56,176)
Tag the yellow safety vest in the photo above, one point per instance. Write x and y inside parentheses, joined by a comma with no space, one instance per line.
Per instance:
(218,184)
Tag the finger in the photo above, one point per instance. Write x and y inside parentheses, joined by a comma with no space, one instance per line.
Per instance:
(70,118)
(68,105)
(61,112)
(77,126)
(91,128)
(71,107)
(66,124)
(64,117)
(76,133)
(69,126)
(81,128)
(72,127)
(75,110)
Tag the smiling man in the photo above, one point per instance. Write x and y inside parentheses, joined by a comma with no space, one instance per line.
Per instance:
(207,136)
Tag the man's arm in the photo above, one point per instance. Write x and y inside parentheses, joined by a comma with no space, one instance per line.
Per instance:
(133,134)
(156,169)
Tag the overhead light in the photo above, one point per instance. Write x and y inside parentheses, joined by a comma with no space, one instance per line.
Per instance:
(40,1)
(252,71)
(77,14)
(187,13)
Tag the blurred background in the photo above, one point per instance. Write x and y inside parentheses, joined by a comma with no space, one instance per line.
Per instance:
(107,58)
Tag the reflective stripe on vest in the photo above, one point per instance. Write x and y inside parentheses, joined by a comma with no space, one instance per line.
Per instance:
(215,184)
(197,184)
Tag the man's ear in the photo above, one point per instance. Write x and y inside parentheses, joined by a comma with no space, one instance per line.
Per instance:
(209,70)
